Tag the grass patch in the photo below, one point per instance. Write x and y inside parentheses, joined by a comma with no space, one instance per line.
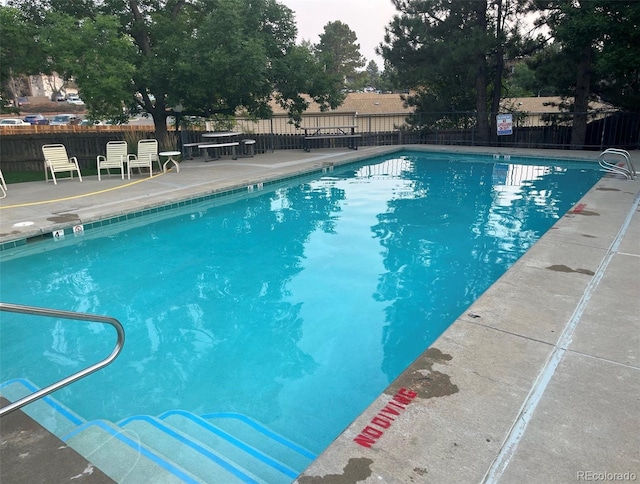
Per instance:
(30,176)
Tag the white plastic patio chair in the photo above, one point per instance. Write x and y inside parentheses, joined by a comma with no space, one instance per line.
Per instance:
(3,185)
(56,160)
(147,154)
(115,158)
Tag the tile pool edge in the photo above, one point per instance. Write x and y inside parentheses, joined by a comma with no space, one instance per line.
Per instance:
(204,192)
(28,236)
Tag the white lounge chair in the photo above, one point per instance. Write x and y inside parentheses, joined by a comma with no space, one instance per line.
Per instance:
(115,158)
(147,154)
(3,185)
(56,160)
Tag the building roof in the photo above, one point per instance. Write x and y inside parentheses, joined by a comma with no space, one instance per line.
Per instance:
(362,103)
(545,104)
(372,103)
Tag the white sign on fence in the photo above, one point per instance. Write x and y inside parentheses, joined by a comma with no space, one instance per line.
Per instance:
(505,124)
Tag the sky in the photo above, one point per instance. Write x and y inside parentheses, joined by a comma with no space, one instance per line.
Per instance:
(367,18)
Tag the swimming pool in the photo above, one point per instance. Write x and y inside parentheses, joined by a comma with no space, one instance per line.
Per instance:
(295,305)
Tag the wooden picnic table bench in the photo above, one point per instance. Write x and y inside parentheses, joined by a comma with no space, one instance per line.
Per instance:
(331,132)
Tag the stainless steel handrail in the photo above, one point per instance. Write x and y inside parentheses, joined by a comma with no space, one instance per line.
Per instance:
(628,171)
(18,308)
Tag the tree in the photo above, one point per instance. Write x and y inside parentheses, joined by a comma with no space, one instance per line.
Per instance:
(388,80)
(213,57)
(525,81)
(568,23)
(97,57)
(596,51)
(618,64)
(521,81)
(451,54)
(338,51)
(19,56)
(373,74)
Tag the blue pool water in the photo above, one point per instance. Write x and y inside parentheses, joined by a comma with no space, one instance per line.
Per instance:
(295,305)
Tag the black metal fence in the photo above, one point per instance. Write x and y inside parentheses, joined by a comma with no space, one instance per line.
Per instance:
(530,130)
(605,129)
(20,148)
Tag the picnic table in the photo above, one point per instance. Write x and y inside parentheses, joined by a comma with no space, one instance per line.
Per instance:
(216,141)
(313,133)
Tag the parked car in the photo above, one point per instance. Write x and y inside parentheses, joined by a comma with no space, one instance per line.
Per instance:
(88,122)
(73,99)
(13,122)
(35,119)
(63,119)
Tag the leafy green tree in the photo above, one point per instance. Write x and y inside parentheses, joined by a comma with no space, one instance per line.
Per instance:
(19,56)
(524,81)
(521,81)
(339,52)
(97,57)
(213,57)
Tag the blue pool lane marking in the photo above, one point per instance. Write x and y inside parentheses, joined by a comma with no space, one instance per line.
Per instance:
(516,433)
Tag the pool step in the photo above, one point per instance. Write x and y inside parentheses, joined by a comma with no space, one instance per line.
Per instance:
(187,452)
(123,456)
(237,447)
(176,446)
(49,412)
(260,437)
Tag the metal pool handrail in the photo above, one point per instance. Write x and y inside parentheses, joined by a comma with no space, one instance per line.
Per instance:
(628,171)
(18,308)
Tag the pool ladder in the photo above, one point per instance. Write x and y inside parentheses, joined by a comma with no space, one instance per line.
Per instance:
(35,311)
(607,161)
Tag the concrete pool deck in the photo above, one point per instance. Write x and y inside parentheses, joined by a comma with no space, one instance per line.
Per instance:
(538,381)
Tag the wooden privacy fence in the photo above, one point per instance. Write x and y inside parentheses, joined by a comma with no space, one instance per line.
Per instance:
(23,152)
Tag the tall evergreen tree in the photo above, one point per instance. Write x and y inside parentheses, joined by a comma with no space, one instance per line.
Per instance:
(569,24)
(339,52)
(373,74)
(451,54)
(596,51)
(618,65)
